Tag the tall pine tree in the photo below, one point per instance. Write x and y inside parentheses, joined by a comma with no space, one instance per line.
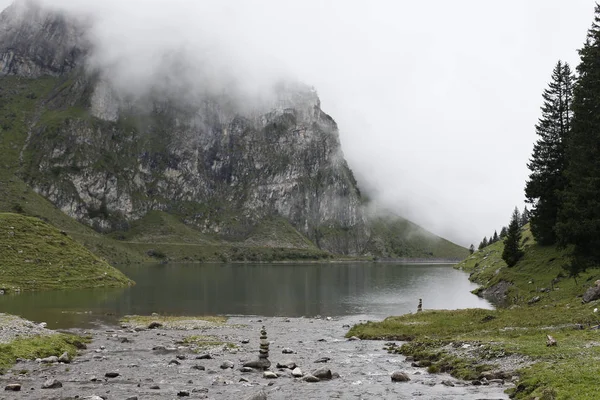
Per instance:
(512,251)
(579,216)
(548,160)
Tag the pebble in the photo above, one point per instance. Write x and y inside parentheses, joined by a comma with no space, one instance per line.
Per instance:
(297,373)
(13,387)
(199,367)
(310,378)
(174,362)
(322,360)
(155,387)
(183,393)
(64,358)
(246,369)
(270,375)
(204,357)
(399,376)
(288,351)
(111,374)
(323,373)
(227,364)
(52,384)
(49,360)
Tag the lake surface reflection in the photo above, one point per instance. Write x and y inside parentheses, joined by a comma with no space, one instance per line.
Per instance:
(376,290)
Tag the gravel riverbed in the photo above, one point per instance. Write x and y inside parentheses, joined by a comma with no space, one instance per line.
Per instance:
(124,363)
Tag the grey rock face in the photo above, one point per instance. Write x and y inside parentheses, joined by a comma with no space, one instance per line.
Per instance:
(38,42)
(201,157)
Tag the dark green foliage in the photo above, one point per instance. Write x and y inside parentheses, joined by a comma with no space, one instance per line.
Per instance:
(512,250)
(503,232)
(548,160)
(495,238)
(525,216)
(483,243)
(471,249)
(579,216)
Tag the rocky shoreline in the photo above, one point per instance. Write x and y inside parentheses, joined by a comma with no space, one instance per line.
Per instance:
(204,360)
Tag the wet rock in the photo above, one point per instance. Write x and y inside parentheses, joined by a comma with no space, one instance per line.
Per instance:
(111,374)
(289,364)
(199,367)
(310,378)
(399,376)
(288,351)
(258,396)
(13,387)
(227,364)
(183,393)
(155,325)
(322,373)
(204,357)
(322,360)
(297,373)
(51,384)
(270,375)
(64,358)
(261,363)
(49,360)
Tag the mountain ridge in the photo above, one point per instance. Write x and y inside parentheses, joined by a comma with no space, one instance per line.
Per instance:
(107,161)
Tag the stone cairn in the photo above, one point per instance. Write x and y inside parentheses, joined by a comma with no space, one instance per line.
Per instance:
(263,353)
(420,306)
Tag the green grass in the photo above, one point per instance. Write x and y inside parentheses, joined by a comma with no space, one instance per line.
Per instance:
(396,237)
(173,322)
(567,371)
(39,347)
(37,256)
(204,342)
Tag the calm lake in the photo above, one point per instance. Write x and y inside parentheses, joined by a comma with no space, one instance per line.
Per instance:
(290,290)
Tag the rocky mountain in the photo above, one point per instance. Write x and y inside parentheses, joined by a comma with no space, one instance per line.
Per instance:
(107,158)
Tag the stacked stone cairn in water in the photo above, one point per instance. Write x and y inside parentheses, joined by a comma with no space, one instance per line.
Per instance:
(263,353)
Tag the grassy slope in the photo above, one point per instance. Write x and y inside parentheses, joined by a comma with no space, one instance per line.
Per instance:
(567,371)
(160,235)
(37,256)
(397,237)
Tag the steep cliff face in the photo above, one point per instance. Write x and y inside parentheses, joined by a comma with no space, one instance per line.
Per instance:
(107,160)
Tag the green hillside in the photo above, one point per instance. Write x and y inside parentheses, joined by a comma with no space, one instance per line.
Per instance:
(37,256)
(536,299)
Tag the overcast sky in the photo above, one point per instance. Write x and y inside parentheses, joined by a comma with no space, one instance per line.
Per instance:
(436,101)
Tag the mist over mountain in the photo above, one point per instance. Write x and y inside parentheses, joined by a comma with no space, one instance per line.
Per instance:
(123,127)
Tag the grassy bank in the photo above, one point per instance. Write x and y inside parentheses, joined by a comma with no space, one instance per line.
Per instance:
(39,347)
(37,256)
(510,341)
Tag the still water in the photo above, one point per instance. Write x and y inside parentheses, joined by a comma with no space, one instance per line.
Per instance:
(290,290)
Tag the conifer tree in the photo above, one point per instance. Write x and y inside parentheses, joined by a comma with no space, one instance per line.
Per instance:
(483,243)
(503,232)
(471,249)
(548,160)
(495,237)
(579,215)
(525,216)
(512,251)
